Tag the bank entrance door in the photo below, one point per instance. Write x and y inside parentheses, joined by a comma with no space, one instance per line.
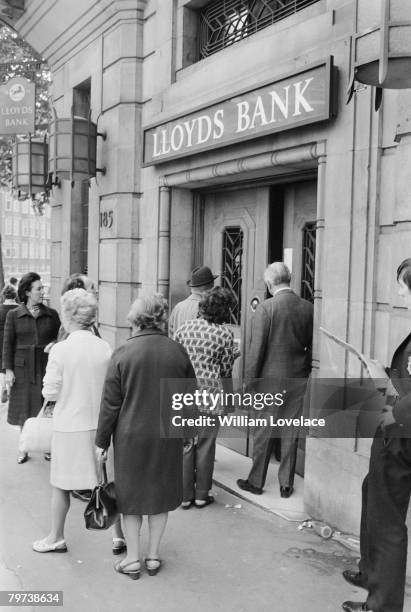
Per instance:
(245,229)
(235,247)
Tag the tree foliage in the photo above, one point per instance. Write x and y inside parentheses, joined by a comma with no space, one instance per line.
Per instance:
(18,58)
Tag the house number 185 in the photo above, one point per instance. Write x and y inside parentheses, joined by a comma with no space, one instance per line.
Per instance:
(106,219)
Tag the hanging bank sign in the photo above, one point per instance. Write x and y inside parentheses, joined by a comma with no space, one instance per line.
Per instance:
(292,101)
(17,106)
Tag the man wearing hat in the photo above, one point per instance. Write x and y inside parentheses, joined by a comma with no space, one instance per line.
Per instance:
(202,279)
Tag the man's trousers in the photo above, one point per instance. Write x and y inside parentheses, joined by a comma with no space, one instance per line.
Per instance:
(264,444)
(385,499)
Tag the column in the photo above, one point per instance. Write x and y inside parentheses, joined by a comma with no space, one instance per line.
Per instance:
(163,259)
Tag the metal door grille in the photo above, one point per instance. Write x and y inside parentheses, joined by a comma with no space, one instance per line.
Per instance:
(232,268)
(224,22)
(308,271)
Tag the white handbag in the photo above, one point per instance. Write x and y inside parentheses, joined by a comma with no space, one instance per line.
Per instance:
(36,433)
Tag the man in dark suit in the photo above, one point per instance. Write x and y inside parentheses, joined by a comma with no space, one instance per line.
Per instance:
(279,357)
(387,487)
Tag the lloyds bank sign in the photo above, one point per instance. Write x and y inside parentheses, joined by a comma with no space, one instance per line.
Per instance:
(294,100)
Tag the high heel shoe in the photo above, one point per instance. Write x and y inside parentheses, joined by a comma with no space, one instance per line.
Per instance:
(152,571)
(122,569)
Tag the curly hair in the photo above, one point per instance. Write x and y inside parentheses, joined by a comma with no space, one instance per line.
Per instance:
(25,284)
(78,306)
(149,312)
(216,305)
(77,281)
(9,293)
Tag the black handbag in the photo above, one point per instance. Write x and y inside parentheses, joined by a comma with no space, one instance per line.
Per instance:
(101,511)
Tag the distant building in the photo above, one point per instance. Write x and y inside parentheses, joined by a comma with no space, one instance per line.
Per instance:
(25,238)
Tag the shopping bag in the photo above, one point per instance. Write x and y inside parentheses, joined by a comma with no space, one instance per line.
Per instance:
(37,433)
(101,511)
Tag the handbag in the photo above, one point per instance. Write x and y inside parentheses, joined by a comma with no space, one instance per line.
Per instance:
(37,433)
(101,511)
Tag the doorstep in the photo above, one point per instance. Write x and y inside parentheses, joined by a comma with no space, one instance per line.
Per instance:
(230,465)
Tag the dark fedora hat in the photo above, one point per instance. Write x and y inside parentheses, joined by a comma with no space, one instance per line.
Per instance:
(201,275)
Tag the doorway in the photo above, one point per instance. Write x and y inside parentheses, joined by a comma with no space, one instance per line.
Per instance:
(245,228)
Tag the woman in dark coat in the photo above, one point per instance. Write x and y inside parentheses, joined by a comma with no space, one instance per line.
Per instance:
(8,302)
(28,330)
(147,466)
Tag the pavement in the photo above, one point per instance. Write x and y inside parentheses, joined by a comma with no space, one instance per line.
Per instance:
(232,556)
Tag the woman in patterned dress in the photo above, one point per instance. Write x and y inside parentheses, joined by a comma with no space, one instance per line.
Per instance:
(209,343)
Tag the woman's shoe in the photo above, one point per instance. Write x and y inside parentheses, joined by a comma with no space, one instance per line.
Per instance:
(186,505)
(152,566)
(41,546)
(134,574)
(202,503)
(119,546)
(22,457)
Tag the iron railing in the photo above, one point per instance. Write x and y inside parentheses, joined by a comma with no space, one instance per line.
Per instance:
(308,259)
(224,22)
(232,268)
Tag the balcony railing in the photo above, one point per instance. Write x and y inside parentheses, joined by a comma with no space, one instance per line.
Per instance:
(224,22)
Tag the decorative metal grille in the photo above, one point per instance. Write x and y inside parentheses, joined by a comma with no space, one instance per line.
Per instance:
(232,268)
(224,22)
(307,276)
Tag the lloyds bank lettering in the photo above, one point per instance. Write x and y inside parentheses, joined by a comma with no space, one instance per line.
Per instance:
(294,100)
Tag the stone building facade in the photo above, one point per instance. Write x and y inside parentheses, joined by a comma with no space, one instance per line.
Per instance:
(234,146)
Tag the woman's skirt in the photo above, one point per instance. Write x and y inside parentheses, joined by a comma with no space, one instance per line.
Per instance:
(73,460)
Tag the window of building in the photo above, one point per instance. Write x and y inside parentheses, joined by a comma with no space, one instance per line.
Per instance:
(32,228)
(32,250)
(8,226)
(25,207)
(222,23)
(9,203)
(16,205)
(16,249)
(232,268)
(24,250)
(24,227)
(81,105)
(308,271)
(7,248)
(16,226)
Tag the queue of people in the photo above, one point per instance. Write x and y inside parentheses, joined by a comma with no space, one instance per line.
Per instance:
(119,398)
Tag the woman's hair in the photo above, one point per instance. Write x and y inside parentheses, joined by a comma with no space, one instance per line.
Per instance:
(77,281)
(25,284)
(277,273)
(148,312)
(9,293)
(78,306)
(216,305)
(404,272)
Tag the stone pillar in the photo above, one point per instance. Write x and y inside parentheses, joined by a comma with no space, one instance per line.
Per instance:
(163,261)
(319,257)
